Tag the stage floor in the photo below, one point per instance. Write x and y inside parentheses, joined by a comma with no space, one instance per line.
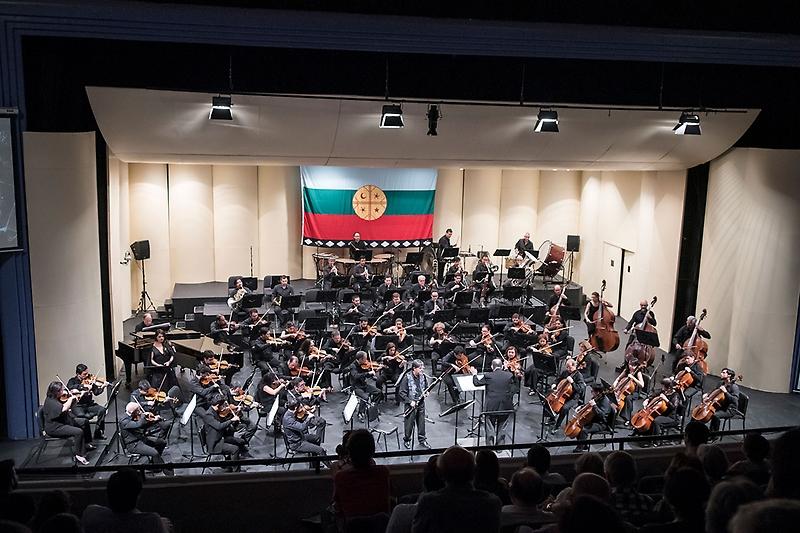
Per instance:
(766,409)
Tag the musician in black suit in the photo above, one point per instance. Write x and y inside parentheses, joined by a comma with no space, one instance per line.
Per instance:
(360,372)
(730,402)
(279,293)
(412,294)
(221,330)
(411,389)
(86,408)
(571,374)
(251,325)
(219,430)
(500,385)
(690,364)
(134,431)
(602,415)
(147,321)
(356,244)
(354,311)
(387,287)
(444,243)
(360,276)
(433,306)
(329,271)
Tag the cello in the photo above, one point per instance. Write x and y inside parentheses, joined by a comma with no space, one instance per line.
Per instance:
(564,391)
(706,409)
(697,345)
(604,338)
(642,419)
(583,416)
(626,386)
(637,350)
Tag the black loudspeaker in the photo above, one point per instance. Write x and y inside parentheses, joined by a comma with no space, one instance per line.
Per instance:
(141,250)
(573,243)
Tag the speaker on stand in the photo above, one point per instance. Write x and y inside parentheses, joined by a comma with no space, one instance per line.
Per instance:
(141,252)
(573,245)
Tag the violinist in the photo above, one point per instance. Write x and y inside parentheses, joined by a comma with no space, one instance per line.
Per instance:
(303,430)
(323,363)
(450,365)
(497,396)
(292,369)
(221,329)
(205,384)
(272,389)
(59,421)
(294,336)
(578,390)
(412,392)
(603,411)
(524,246)
(360,373)
(438,343)
(362,334)
(633,371)
(484,345)
(355,310)
(417,293)
(253,323)
(218,426)
(512,363)
(592,306)
(403,341)
(162,361)
(87,386)
(217,366)
(730,402)
(298,391)
(329,271)
(673,399)
(262,351)
(150,404)
(393,365)
(134,431)
(360,275)
(341,348)
(519,332)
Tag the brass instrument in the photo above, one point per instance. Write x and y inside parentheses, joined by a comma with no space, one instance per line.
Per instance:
(235,300)
(277,300)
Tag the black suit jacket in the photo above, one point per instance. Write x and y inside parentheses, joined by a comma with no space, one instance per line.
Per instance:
(499,390)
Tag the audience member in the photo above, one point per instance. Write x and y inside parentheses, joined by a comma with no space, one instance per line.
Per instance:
(362,489)
(121,515)
(61,523)
(487,475)
(458,507)
(591,462)
(755,466)
(526,493)
(403,512)
(714,461)
(725,499)
(50,504)
(539,460)
(8,477)
(695,434)
(620,470)
(785,466)
(684,460)
(7,526)
(768,516)
(17,507)
(587,513)
(685,491)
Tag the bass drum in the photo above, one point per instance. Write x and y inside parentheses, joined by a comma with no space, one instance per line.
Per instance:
(551,258)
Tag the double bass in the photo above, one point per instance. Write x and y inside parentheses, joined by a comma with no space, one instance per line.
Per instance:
(706,409)
(637,350)
(697,345)
(604,338)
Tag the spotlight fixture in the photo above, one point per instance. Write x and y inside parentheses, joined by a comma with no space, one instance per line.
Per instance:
(688,124)
(433,119)
(546,121)
(220,108)
(392,116)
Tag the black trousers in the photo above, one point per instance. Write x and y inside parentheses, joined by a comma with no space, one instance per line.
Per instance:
(150,447)
(368,393)
(717,418)
(88,412)
(417,417)
(450,383)
(562,414)
(591,429)
(79,432)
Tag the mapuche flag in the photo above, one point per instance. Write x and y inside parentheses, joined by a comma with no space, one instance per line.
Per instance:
(388,207)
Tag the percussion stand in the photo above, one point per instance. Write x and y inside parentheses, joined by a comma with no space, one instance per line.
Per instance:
(571,262)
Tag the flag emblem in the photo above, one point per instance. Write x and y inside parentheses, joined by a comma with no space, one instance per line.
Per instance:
(369,202)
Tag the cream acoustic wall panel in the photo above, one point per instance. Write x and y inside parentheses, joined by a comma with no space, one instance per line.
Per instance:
(149,220)
(481,221)
(750,269)
(559,206)
(63,237)
(588,259)
(280,221)
(448,203)
(119,241)
(620,193)
(519,202)
(235,221)
(191,223)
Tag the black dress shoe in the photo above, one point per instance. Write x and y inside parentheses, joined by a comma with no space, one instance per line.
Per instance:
(407,444)
(91,447)
(99,435)
(424,444)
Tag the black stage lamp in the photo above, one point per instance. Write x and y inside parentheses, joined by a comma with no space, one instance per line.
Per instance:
(220,108)
(546,121)
(688,124)
(392,116)
(433,119)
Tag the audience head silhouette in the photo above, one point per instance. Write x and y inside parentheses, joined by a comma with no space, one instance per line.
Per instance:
(767,516)
(620,469)
(786,466)
(588,484)
(686,491)
(123,489)
(539,458)
(525,487)
(724,501)
(360,448)
(456,466)
(587,513)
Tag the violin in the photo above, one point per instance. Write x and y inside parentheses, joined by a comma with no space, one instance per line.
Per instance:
(154,395)
(583,416)
(301,371)
(704,411)
(463,363)
(150,417)
(604,338)
(302,410)
(321,355)
(218,365)
(312,392)
(208,379)
(371,365)
(240,395)
(93,380)
(626,385)
(228,411)
(697,345)
(514,366)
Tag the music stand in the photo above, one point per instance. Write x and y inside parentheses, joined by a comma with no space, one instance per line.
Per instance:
(502,252)
(648,338)
(456,409)
(340,282)
(569,313)
(316,323)
(252,300)
(450,253)
(413,258)
(382,340)
(512,292)
(478,316)
(405,314)
(423,297)
(546,412)
(366,254)
(536,313)
(465,384)
(187,417)
(444,315)
(516,273)
(463,298)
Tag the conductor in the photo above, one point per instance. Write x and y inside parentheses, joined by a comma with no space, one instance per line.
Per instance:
(497,397)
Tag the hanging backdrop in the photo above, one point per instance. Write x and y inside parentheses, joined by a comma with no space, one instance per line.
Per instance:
(388,207)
